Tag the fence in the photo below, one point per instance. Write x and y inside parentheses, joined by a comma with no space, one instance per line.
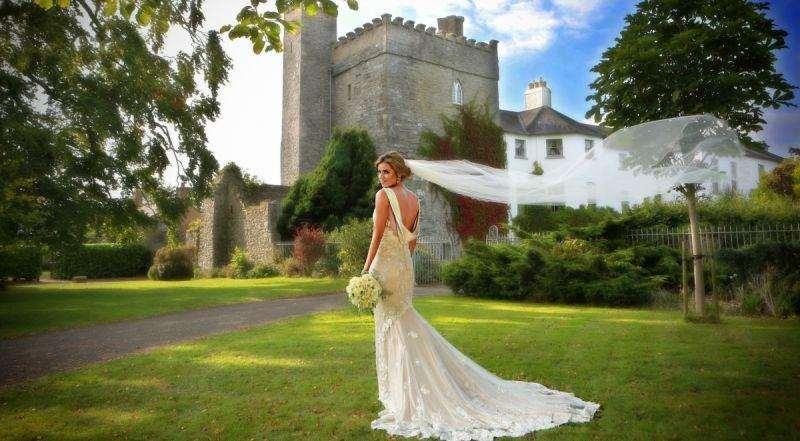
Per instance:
(428,256)
(718,236)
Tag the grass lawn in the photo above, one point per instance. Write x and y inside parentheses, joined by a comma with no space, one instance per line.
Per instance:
(27,309)
(656,377)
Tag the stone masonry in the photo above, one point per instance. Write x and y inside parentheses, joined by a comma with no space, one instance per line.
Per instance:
(390,76)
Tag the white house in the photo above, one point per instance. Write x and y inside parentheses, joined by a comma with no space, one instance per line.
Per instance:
(541,134)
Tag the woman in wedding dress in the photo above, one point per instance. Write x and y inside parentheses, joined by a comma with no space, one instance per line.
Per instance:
(428,388)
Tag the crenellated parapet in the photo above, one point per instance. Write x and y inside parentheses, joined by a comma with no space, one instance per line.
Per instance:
(432,32)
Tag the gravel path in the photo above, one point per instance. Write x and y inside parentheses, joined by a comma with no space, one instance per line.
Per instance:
(27,358)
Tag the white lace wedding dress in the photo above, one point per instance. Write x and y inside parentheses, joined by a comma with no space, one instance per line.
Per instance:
(430,389)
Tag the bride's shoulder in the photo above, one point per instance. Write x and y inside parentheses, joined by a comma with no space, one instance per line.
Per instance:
(381,196)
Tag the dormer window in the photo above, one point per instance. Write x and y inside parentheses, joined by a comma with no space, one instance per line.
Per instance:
(458,95)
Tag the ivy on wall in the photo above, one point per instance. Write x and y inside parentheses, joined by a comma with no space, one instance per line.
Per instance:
(470,134)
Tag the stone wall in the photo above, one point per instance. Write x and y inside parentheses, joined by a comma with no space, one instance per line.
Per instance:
(394,78)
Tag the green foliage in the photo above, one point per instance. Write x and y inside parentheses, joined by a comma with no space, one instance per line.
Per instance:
(494,271)
(540,218)
(20,262)
(291,267)
(341,186)
(92,110)
(262,271)
(783,180)
(352,240)
(568,271)
(327,265)
(730,209)
(103,260)
(473,135)
(264,28)
(537,169)
(771,270)
(173,263)
(677,58)
(240,265)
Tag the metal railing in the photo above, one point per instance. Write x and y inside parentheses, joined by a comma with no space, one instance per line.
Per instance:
(718,236)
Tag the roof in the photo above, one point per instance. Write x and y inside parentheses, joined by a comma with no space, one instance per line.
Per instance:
(545,121)
(762,155)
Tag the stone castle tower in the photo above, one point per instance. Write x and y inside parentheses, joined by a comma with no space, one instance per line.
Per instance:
(390,76)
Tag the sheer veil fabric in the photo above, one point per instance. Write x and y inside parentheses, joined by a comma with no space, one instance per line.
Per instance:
(427,387)
(630,164)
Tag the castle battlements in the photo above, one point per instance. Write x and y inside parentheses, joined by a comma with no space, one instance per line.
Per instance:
(432,32)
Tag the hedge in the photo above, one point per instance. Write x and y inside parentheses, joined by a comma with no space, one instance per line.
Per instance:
(103,260)
(21,262)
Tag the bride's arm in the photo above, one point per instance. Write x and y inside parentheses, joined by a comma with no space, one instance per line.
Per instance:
(381,215)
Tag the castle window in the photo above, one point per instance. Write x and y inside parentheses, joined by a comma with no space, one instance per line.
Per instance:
(555,148)
(519,148)
(458,95)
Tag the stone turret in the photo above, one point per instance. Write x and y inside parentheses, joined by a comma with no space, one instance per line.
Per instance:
(307,62)
(452,24)
(537,94)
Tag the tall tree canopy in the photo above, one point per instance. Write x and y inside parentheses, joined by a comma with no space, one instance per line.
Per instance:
(92,109)
(682,57)
(341,187)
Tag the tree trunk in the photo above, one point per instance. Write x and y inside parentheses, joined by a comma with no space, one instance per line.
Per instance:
(697,262)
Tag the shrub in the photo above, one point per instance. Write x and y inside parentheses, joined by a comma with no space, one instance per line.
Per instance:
(21,262)
(778,264)
(327,265)
(291,267)
(262,271)
(569,271)
(498,271)
(173,263)
(103,260)
(340,187)
(240,265)
(309,246)
(353,240)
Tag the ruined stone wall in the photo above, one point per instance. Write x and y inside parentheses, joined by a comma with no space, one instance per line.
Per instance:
(259,230)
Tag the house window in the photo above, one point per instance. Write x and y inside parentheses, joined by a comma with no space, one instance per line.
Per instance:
(761,169)
(555,148)
(734,176)
(519,148)
(588,144)
(715,187)
(349,91)
(625,205)
(555,206)
(458,95)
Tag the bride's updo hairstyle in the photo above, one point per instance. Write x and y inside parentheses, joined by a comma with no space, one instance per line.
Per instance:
(396,161)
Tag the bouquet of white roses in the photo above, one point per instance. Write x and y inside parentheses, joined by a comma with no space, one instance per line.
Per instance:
(364,291)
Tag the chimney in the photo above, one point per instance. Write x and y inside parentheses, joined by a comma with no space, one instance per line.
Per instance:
(452,24)
(537,94)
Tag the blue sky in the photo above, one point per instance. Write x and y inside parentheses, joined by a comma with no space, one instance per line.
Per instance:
(559,40)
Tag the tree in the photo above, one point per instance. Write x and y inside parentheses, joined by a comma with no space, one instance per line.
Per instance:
(92,111)
(472,135)
(342,186)
(784,179)
(677,58)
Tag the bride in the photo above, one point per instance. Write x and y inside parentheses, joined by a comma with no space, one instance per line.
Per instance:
(427,387)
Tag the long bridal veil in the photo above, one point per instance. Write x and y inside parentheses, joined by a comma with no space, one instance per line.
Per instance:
(630,164)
